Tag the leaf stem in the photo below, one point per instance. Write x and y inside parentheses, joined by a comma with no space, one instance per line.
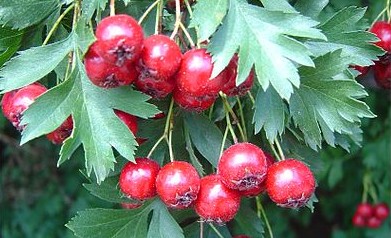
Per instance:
(262,211)
(187,34)
(149,9)
(282,156)
(216,231)
(177,18)
(112,7)
(57,23)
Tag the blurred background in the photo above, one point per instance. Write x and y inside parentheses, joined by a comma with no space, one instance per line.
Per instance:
(37,198)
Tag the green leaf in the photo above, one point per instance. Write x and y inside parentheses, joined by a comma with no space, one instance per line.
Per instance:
(88,7)
(249,222)
(20,14)
(193,158)
(264,39)
(207,16)
(278,5)
(107,190)
(205,135)
(269,113)
(311,8)
(335,173)
(33,64)
(9,37)
(325,104)
(341,31)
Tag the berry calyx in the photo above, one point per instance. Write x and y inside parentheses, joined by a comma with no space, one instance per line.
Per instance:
(194,74)
(216,202)
(121,38)
(177,184)
(193,103)
(358,220)
(382,30)
(129,120)
(381,211)
(242,166)
(365,210)
(137,180)
(62,132)
(290,183)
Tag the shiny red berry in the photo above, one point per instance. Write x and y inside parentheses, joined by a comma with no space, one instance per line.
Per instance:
(290,183)
(194,74)
(137,180)
(104,74)
(14,103)
(129,120)
(131,205)
(358,220)
(365,210)
(193,103)
(241,236)
(216,202)
(62,132)
(382,73)
(242,166)
(374,222)
(382,30)
(230,87)
(381,211)
(177,184)
(121,37)
(155,87)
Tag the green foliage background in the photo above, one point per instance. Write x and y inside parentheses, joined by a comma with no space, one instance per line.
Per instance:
(37,198)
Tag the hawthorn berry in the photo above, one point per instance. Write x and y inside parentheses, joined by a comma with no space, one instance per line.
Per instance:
(290,183)
(374,222)
(216,202)
(121,39)
(129,120)
(358,220)
(194,74)
(382,73)
(381,211)
(137,180)
(193,103)
(155,87)
(14,103)
(365,210)
(177,184)
(104,74)
(62,132)
(382,30)
(241,236)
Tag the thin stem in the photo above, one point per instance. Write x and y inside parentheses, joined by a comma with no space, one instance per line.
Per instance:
(372,191)
(187,34)
(157,20)
(149,9)
(177,18)
(169,128)
(234,117)
(57,23)
(224,140)
(364,197)
(201,229)
(378,16)
(112,7)
(215,230)
(282,156)
(235,139)
(275,152)
(388,7)
(259,205)
(190,11)
(155,146)
(242,117)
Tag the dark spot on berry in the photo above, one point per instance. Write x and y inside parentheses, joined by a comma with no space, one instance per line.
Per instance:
(122,52)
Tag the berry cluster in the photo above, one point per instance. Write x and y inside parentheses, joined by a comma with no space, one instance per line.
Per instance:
(382,67)
(155,65)
(370,216)
(243,170)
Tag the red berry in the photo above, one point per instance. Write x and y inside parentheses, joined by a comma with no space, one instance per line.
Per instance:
(374,222)
(358,220)
(160,115)
(262,186)
(129,120)
(365,210)
(62,132)
(382,30)
(216,202)
(242,166)
(241,236)
(177,184)
(160,57)
(230,87)
(14,103)
(193,103)
(131,205)
(104,74)
(121,37)
(194,74)
(137,180)
(290,183)
(382,73)
(381,211)
(155,87)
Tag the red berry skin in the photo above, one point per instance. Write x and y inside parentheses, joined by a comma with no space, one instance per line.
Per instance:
(129,120)
(382,73)
(242,166)
(290,183)
(104,74)
(160,57)
(122,39)
(216,202)
(382,30)
(194,74)
(137,181)
(14,103)
(365,210)
(381,211)
(62,132)
(192,103)
(230,87)
(177,184)
(374,222)
(155,87)
(358,220)
(241,236)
